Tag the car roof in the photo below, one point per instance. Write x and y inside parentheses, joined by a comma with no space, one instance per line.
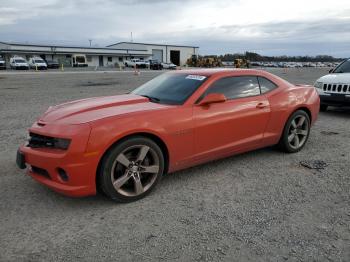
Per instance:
(218,71)
(227,72)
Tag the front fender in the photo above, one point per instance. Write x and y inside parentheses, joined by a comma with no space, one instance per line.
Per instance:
(104,135)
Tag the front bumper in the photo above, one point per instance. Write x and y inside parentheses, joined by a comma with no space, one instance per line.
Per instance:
(21,67)
(39,67)
(80,65)
(45,164)
(53,66)
(335,99)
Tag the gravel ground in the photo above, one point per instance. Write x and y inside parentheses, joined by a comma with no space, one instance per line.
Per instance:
(259,206)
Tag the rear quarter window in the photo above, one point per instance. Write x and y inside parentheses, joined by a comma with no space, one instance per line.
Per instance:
(266,85)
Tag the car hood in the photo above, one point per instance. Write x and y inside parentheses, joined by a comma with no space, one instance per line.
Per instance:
(341,78)
(92,109)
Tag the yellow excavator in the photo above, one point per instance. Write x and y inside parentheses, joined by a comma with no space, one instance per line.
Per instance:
(199,61)
(241,63)
(192,61)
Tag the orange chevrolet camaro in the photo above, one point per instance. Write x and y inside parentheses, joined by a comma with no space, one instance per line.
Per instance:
(123,144)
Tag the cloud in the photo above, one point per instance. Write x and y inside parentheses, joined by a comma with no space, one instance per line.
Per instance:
(269,26)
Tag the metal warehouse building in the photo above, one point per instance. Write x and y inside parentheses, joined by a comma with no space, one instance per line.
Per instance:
(104,56)
(176,54)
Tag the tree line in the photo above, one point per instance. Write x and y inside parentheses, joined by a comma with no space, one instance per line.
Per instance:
(260,58)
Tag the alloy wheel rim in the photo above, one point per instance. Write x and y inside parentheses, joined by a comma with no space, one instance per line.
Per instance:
(298,132)
(135,170)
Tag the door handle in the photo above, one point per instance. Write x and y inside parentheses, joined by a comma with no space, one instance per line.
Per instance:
(261,105)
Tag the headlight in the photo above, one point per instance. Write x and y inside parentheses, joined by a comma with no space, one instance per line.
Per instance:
(61,143)
(40,141)
(318,85)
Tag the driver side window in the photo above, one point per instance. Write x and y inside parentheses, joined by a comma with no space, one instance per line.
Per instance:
(236,87)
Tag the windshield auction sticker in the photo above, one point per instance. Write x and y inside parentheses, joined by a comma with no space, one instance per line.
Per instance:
(196,77)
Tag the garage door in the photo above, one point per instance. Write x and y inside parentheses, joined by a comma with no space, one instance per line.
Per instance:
(157,54)
(175,57)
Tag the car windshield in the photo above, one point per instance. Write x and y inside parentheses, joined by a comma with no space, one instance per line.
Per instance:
(343,67)
(169,88)
(38,61)
(19,61)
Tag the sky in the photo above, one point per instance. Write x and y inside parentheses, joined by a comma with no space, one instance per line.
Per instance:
(268,27)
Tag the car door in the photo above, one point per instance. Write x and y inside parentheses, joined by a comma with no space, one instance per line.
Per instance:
(233,125)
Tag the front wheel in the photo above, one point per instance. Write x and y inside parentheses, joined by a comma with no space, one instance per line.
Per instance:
(296,132)
(131,169)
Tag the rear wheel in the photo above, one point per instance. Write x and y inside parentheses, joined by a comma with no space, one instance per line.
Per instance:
(296,132)
(323,108)
(131,169)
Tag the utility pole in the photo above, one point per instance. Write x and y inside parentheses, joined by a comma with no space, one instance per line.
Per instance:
(90,40)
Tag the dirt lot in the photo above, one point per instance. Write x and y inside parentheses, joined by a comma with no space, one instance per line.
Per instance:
(259,206)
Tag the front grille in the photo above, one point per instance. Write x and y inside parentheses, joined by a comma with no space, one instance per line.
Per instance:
(41,172)
(337,88)
(39,141)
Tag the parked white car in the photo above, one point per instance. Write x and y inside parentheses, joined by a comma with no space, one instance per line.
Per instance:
(18,62)
(334,88)
(2,63)
(135,62)
(37,63)
(168,66)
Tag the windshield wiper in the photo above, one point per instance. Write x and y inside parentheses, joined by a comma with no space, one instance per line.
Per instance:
(152,99)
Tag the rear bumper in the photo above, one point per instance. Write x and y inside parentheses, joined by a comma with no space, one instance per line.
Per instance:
(335,100)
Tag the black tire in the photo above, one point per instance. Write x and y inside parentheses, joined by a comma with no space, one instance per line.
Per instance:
(284,143)
(110,161)
(323,108)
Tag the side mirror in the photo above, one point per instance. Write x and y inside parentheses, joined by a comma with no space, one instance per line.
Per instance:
(331,71)
(212,98)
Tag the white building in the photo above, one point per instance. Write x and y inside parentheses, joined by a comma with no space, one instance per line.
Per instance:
(177,54)
(111,55)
